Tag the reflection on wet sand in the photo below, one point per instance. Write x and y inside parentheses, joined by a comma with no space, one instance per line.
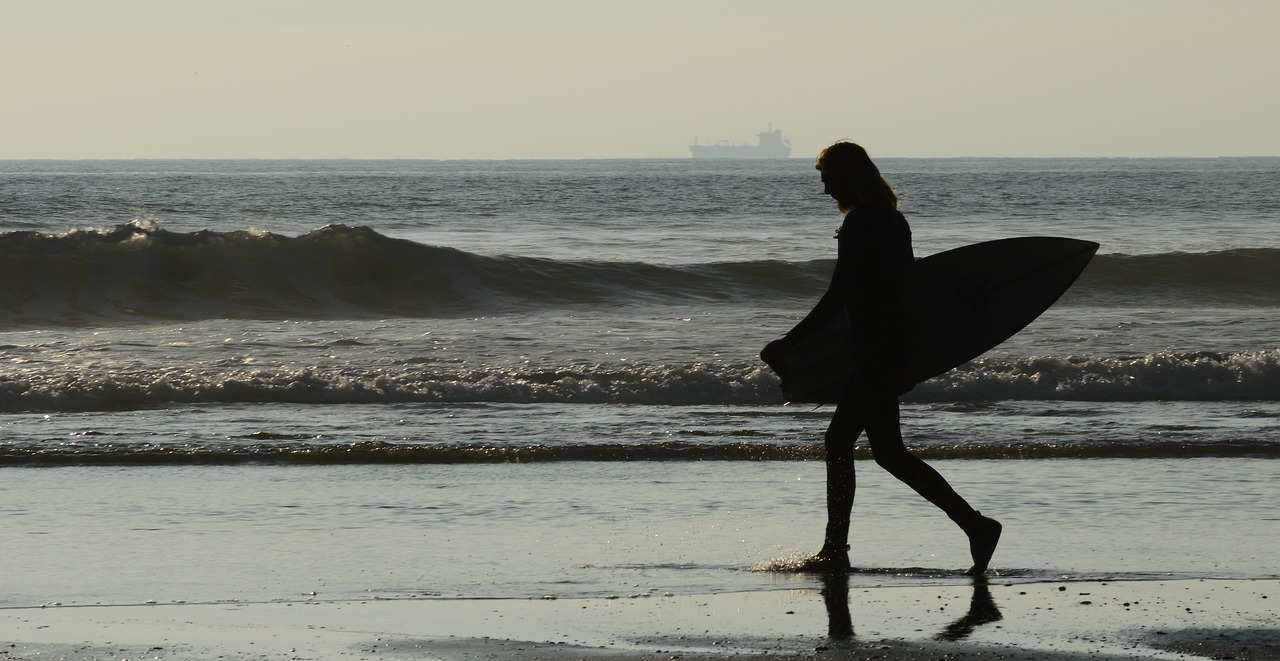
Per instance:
(835,596)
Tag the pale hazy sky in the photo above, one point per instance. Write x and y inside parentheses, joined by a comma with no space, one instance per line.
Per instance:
(635,78)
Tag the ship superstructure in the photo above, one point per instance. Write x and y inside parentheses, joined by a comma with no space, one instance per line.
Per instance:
(770,144)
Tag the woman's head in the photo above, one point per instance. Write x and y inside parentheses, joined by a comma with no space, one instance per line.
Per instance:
(849,176)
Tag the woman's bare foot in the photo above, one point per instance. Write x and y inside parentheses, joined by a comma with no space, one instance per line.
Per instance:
(984,535)
(827,561)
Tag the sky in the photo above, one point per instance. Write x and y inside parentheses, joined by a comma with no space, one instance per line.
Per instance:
(490,79)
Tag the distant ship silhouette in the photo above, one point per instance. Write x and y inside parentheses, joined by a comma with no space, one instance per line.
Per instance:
(771,144)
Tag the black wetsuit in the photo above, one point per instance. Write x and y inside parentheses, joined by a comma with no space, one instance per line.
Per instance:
(873,263)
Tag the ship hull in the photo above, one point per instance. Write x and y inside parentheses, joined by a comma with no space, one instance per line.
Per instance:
(737,151)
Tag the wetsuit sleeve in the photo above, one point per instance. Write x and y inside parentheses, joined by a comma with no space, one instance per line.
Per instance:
(833,301)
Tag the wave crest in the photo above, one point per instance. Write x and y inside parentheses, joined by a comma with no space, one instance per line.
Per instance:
(1243,276)
(1160,376)
(1204,376)
(142,271)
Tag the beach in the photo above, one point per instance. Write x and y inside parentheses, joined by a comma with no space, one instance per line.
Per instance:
(700,567)
(1187,619)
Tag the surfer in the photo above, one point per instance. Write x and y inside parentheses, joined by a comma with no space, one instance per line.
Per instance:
(873,260)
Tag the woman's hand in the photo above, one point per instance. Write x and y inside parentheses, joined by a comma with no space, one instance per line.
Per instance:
(774,350)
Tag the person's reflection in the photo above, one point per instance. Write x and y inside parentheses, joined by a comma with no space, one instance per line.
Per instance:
(835,596)
(982,610)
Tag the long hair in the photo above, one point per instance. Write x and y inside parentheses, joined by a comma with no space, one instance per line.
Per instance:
(849,164)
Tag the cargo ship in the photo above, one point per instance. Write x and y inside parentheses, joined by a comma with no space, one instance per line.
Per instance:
(770,144)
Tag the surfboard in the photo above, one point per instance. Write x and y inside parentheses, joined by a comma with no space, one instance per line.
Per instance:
(958,305)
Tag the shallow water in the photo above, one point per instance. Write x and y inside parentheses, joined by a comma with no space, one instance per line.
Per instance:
(87,535)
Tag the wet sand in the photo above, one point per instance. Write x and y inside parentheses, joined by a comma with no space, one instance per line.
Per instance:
(1156,619)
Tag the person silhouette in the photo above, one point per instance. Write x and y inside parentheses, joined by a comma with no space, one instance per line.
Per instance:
(874,260)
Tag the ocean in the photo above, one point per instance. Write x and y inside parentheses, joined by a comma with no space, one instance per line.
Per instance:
(253,380)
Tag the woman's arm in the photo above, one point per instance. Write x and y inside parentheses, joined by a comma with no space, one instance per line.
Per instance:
(833,302)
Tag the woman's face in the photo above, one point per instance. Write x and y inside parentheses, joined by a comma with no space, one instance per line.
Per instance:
(840,190)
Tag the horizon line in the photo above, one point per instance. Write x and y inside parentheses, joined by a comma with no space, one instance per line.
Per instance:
(592,158)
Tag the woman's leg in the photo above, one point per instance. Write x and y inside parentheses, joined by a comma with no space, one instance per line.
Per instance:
(840,437)
(880,417)
(880,414)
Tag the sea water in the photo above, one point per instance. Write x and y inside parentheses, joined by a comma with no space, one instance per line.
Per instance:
(257,380)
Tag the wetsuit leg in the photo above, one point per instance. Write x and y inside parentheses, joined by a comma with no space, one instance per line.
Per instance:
(841,435)
(879,415)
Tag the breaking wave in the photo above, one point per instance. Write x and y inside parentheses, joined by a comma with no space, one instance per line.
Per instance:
(1165,376)
(140,271)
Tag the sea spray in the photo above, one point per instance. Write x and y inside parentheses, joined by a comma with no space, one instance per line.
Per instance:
(1164,376)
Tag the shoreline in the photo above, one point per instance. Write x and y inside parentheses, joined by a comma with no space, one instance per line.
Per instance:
(1153,619)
